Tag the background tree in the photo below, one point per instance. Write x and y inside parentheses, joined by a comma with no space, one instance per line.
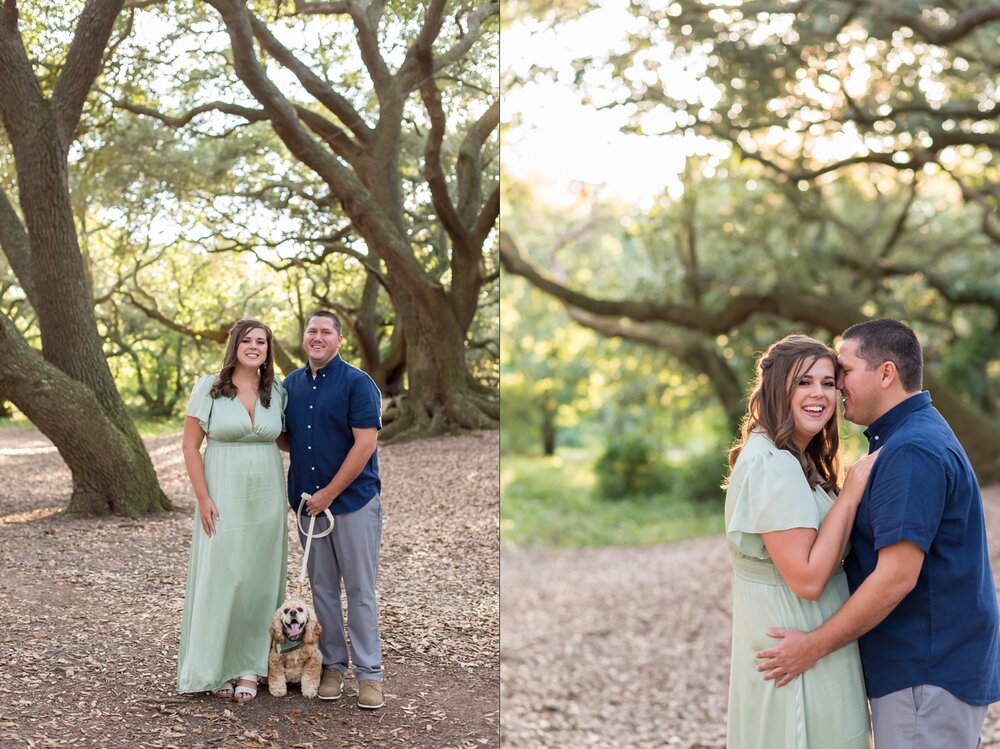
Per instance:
(67,390)
(811,90)
(399,163)
(815,222)
(546,364)
(766,261)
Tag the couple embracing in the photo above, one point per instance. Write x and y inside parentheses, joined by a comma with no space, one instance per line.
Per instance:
(908,618)
(327,415)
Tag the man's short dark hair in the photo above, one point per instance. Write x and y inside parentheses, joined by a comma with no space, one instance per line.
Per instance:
(329,316)
(885,340)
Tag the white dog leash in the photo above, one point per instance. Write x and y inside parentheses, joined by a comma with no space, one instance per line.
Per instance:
(309,534)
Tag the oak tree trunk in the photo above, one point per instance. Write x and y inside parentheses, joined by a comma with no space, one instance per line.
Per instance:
(110,467)
(442,395)
(548,429)
(68,391)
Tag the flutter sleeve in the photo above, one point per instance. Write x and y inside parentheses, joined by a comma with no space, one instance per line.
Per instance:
(280,398)
(771,495)
(200,402)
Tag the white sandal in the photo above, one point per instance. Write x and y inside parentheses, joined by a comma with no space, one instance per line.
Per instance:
(242,689)
(226,691)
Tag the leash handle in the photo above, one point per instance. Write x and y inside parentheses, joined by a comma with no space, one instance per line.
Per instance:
(309,534)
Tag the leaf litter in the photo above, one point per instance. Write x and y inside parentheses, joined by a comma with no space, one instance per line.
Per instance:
(92,611)
(629,647)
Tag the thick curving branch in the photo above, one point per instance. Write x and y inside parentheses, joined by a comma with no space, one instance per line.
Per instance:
(487,218)
(313,84)
(180,120)
(336,138)
(433,169)
(83,65)
(322,9)
(698,353)
(990,223)
(282,113)
(468,169)
(218,334)
(20,95)
(964,25)
(15,244)
(414,72)
(476,20)
(366,20)
(799,305)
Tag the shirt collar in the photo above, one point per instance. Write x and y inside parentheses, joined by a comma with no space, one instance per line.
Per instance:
(882,428)
(327,368)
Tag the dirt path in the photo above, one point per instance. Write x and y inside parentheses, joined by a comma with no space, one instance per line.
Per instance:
(91,613)
(628,647)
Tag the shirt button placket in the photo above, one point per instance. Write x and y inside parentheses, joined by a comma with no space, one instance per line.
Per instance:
(312,416)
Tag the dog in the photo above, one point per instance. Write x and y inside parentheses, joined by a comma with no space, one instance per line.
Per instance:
(294,655)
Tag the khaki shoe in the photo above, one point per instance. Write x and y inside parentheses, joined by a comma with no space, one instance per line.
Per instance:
(370,694)
(331,686)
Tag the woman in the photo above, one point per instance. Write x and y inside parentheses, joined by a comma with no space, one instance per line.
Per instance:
(788,533)
(236,572)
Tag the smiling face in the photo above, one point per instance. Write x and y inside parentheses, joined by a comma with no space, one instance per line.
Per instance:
(859,385)
(813,399)
(251,350)
(321,340)
(794,403)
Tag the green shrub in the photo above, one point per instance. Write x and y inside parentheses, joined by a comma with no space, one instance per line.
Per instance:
(699,477)
(628,468)
(552,502)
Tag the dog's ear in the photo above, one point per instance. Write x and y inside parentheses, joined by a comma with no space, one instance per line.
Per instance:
(313,628)
(277,634)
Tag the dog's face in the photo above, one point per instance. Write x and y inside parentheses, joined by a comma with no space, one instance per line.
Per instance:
(293,618)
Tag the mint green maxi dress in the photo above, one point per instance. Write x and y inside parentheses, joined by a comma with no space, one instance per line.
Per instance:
(824,708)
(236,578)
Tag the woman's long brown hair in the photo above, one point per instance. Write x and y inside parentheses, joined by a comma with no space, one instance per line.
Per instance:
(769,409)
(223,385)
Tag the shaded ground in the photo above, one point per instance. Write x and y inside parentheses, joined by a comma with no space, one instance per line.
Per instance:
(91,613)
(627,647)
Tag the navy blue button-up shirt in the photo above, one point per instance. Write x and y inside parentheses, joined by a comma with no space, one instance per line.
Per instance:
(320,415)
(922,489)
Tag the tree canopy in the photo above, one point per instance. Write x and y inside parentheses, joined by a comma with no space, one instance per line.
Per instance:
(861,183)
(811,89)
(167,168)
(395,168)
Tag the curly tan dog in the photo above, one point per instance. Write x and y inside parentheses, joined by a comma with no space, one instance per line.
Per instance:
(294,655)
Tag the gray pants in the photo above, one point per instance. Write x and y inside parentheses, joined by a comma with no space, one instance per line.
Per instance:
(926,717)
(349,554)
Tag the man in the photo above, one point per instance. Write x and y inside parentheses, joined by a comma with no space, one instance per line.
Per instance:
(923,605)
(332,420)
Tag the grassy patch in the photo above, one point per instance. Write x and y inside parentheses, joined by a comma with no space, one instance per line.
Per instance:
(148,427)
(551,502)
(17,421)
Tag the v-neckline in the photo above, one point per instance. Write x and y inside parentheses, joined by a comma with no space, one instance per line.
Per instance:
(248,412)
